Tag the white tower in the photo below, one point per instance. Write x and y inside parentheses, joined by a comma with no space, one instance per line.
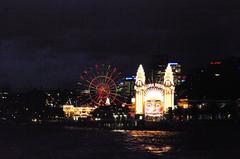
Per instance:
(107,102)
(168,88)
(139,87)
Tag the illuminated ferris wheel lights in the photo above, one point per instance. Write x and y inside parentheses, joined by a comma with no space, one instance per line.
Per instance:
(102,83)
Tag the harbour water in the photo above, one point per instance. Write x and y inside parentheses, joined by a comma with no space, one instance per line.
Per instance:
(89,143)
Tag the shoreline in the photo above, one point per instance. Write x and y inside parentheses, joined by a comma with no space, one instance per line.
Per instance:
(160,126)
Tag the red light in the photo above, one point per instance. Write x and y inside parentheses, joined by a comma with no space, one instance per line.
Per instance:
(215,62)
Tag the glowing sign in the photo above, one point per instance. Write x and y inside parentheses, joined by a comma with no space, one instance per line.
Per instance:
(215,62)
(130,78)
(172,63)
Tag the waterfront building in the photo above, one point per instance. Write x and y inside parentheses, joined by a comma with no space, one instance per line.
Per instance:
(77,113)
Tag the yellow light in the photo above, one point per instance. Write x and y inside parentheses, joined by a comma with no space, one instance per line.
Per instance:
(153,94)
(75,112)
(133,100)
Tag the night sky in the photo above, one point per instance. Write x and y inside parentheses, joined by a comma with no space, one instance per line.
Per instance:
(48,43)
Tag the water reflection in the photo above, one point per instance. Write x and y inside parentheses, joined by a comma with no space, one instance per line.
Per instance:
(157,150)
(155,142)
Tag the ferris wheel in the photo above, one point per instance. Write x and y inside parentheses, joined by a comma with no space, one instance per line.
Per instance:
(101,84)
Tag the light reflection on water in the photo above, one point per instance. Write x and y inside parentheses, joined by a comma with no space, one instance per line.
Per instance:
(157,150)
(155,142)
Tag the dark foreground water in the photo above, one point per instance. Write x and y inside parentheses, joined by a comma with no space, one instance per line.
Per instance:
(22,142)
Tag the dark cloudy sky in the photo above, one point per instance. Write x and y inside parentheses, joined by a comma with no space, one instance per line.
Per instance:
(48,43)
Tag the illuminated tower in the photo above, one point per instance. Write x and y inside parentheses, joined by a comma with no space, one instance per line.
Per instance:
(107,102)
(139,87)
(168,88)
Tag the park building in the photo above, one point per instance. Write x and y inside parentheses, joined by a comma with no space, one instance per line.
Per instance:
(76,113)
(153,100)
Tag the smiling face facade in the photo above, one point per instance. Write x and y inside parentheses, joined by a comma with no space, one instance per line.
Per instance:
(154,99)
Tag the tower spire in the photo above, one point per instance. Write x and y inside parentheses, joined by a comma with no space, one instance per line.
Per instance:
(168,76)
(168,88)
(139,87)
(140,74)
